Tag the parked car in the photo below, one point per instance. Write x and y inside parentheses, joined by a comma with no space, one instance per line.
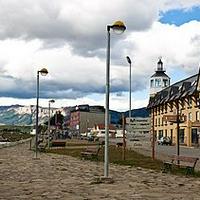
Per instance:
(165,141)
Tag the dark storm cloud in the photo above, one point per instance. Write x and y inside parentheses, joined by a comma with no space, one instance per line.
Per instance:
(18,88)
(55,24)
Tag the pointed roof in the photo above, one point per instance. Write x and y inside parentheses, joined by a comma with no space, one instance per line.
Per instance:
(178,90)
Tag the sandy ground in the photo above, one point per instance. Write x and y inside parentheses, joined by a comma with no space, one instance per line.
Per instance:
(63,177)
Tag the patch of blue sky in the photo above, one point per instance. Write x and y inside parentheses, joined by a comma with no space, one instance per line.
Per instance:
(180,16)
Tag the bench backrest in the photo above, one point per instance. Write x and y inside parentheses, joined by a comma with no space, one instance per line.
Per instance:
(185,159)
(93,149)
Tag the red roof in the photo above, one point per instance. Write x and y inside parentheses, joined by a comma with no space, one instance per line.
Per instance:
(102,126)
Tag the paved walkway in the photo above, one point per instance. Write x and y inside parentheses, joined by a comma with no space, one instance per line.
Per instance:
(63,177)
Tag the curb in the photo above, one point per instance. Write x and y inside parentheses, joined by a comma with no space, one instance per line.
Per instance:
(10,144)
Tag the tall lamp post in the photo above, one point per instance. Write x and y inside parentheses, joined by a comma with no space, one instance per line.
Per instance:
(50,101)
(43,72)
(129,61)
(118,27)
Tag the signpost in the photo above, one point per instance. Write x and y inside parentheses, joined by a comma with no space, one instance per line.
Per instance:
(173,118)
(176,119)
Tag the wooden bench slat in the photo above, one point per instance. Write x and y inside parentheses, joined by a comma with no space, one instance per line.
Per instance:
(187,162)
(91,152)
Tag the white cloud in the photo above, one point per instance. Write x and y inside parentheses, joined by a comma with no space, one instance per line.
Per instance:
(166,5)
(69,38)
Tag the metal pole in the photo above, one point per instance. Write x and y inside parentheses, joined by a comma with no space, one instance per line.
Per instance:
(36,127)
(153,137)
(178,130)
(106,161)
(49,128)
(130,100)
(124,141)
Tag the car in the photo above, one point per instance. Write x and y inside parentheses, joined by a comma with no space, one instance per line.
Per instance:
(165,141)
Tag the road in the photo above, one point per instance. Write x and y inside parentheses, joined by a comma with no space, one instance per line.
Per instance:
(162,151)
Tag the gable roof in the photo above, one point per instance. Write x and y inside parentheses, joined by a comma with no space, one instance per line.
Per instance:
(178,90)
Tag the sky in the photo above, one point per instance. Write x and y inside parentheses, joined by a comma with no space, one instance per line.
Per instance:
(69,38)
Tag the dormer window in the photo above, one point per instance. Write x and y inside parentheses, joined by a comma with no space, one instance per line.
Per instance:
(190,102)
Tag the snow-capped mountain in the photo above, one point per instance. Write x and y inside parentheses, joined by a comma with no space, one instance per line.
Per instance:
(25,115)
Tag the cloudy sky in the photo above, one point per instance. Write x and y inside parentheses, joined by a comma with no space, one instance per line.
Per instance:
(69,38)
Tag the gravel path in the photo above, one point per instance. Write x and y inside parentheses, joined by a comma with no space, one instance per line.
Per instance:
(63,177)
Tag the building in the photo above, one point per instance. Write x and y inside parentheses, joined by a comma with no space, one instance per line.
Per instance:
(138,125)
(84,117)
(175,110)
(99,130)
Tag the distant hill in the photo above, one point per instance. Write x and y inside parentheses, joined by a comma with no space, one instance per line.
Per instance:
(25,115)
(140,112)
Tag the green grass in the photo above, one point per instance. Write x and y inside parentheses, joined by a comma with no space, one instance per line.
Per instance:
(132,158)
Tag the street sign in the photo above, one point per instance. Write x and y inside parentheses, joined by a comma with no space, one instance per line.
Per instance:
(173,118)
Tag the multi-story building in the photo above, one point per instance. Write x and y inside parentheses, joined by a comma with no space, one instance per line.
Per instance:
(175,110)
(84,117)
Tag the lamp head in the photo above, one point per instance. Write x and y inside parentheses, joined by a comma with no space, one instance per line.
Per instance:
(43,71)
(128,59)
(118,27)
(52,101)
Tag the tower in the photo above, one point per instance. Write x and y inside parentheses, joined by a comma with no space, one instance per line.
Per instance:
(159,80)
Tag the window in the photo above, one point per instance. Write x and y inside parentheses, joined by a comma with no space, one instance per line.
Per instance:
(165,82)
(197,115)
(152,83)
(182,104)
(165,108)
(171,107)
(162,109)
(160,134)
(165,133)
(190,102)
(190,116)
(157,82)
(159,110)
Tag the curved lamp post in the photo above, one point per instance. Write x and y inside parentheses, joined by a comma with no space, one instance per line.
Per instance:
(129,62)
(50,101)
(118,27)
(43,72)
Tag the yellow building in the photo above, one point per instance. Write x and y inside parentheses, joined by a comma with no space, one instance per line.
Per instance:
(175,110)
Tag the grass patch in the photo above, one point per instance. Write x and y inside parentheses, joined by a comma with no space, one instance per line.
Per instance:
(63,151)
(132,158)
(115,156)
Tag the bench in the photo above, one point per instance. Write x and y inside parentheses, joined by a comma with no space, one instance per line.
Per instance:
(42,146)
(186,162)
(91,152)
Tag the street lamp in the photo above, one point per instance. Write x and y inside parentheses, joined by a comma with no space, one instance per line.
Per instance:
(43,72)
(118,27)
(50,101)
(129,61)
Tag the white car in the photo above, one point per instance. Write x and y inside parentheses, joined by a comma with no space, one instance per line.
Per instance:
(164,141)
